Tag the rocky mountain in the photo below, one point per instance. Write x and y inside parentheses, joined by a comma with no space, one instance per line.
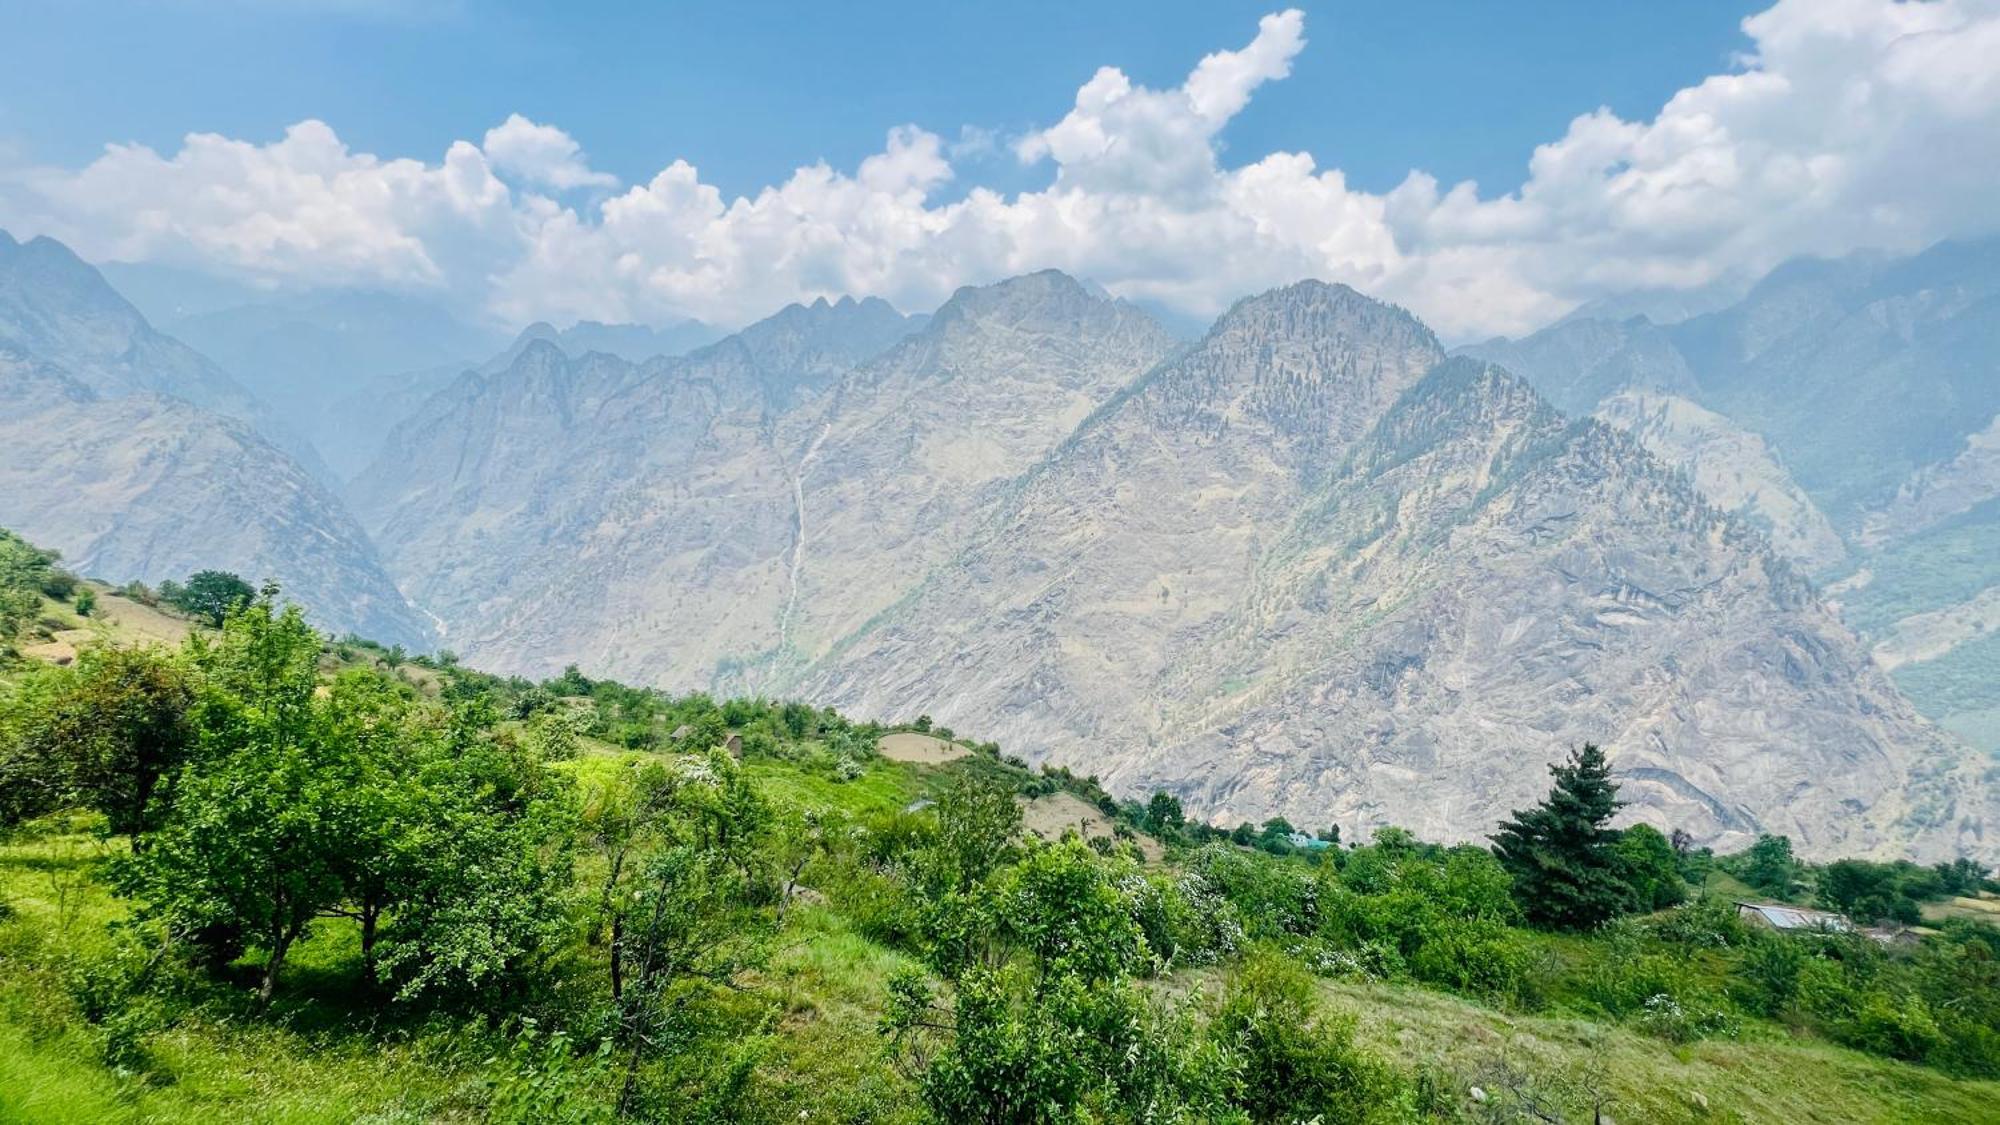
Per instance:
(1306,566)
(1308,569)
(130,453)
(55,306)
(717,515)
(1850,408)
(635,342)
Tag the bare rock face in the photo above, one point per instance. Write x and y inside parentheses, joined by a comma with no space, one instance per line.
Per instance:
(1732,468)
(708,520)
(1848,408)
(143,486)
(1307,569)
(139,459)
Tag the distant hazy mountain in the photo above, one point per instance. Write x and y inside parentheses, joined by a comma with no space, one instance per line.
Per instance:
(1850,407)
(306,355)
(635,342)
(57,307)
(138,458)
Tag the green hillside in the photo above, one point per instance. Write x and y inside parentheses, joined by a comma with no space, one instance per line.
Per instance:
(258,874)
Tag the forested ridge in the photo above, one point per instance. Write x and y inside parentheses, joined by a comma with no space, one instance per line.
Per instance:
(268,874)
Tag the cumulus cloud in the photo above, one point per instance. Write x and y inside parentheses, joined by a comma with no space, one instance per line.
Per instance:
(541,154)
(1848,124)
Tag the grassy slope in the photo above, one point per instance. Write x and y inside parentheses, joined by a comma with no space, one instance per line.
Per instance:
(317,1058)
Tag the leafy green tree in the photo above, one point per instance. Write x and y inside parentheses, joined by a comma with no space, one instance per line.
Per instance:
(34,778)
(498,836)
(1769,866)
(1562,854)
(1875,892)
(977,820)
(86,602)
(1649,866)
(1164,814)
(249,850)
(1962,876)
(623,816)
(119,726)
(1054,1031)
(27,573)
(209,594)
(378,823)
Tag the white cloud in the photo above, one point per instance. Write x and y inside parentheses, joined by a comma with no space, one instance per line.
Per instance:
(541,154)
(1848,124)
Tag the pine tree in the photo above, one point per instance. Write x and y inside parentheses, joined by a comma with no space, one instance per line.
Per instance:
(1562,854)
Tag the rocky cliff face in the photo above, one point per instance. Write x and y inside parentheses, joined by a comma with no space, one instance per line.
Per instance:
(56,307)
(139,459)
(1850,408)
(1307,569)
(143,486)
(708,520)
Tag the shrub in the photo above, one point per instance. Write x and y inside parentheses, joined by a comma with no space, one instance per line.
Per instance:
(1297,1063)
(1900,1027)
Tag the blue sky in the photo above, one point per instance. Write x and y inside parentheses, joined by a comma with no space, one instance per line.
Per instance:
(1488,165)
(747,91)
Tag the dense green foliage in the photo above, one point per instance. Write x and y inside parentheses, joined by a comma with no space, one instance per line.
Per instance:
(569,901)
(208,594)
(27,575)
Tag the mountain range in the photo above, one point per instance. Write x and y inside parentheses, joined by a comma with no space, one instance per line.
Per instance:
(1311,564)
(1850,409)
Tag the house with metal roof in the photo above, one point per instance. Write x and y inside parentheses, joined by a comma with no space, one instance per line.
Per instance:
(1800,920)
(1792,919)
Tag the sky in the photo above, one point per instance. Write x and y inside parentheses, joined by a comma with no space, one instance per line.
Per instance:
(1489,166)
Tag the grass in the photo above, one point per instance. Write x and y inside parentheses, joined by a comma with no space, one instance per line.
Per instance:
(208,1065)
(1757,1078)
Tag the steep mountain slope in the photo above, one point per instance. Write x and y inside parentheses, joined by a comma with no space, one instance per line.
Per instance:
(1630,374)
(483,497)
(1306,569)
(1850,408)
(701,517)
(1732,468)
(55,306)
(138,458)
(142,486)
(1861,372)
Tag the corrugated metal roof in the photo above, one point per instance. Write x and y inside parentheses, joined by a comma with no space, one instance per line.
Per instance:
(1796,917)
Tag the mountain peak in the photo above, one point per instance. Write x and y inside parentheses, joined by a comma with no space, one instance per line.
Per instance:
(1312,307)
(1047,300)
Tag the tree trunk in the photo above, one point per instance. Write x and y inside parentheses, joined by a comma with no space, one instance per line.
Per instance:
(272,964)
(617,956)
(370,915)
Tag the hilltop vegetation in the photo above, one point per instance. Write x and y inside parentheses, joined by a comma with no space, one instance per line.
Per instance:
(270,875)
